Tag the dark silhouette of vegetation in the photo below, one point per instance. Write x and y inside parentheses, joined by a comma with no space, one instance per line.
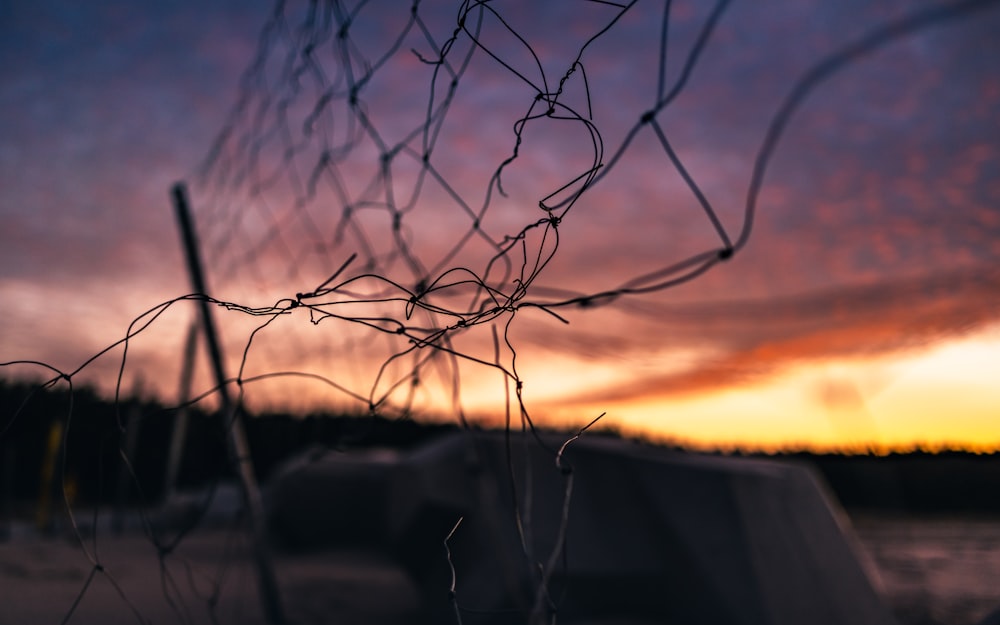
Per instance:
(92,444)
(917,482)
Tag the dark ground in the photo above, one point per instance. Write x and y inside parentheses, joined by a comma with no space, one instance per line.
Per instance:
(933,571)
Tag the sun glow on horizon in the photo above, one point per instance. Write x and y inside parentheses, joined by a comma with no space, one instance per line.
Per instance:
(946,396)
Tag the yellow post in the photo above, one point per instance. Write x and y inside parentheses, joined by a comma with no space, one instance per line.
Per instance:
(43,517)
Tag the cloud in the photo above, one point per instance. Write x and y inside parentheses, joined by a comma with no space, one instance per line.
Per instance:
(748,341)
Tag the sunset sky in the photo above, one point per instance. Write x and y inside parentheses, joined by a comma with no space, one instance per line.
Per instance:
(864,309)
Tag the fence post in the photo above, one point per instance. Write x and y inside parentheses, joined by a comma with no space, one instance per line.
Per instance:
(239,450)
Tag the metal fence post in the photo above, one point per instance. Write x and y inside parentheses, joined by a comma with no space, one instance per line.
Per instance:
(239,450)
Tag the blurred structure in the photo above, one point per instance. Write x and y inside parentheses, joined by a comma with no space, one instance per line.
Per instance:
(605,530)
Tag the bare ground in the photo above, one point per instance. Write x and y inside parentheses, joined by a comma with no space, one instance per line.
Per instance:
(932,571)
(935,571)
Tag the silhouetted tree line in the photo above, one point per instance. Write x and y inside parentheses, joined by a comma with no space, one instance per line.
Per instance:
(915,482)
(918,482)
(93,441)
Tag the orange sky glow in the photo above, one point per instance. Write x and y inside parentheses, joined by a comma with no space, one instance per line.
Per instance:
(860,311)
